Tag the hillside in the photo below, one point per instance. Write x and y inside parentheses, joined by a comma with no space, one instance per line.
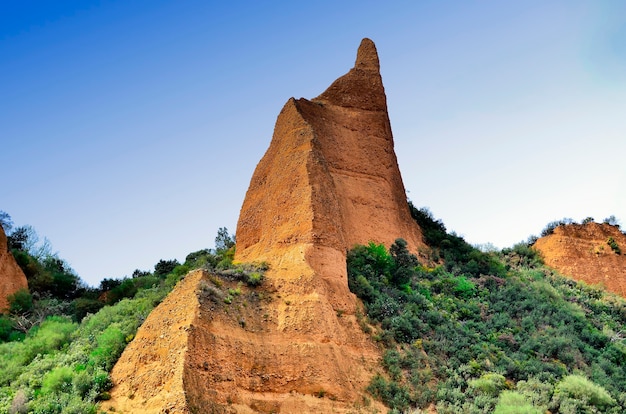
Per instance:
(488,332)
(584,252)
(339,296)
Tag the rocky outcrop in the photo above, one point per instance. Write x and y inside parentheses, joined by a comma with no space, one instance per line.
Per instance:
(328,181)
(330,177)
(12,278)
(583,252)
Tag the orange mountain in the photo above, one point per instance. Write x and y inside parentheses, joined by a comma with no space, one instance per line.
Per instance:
(329,180)
(12,278)
(582,251)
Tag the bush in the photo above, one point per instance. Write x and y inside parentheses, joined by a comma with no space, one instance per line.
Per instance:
(81,307)
(613,245)
(6,328)
(20,302)
(254,279)
(165,267)
(111,342)
(511,402)
(391,393)
(490,384)
(58,380)
(576,393)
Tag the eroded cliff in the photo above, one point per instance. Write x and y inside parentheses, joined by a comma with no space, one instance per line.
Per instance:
(583,252)
(329,180)
(12,278)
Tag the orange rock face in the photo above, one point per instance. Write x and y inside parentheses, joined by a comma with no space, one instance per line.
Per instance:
(330,177)
(581,251)
(12,278)
(328,181)
(148,377)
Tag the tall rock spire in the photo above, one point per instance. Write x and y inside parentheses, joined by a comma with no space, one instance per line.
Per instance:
(362,87)
(328,180)
(330,177)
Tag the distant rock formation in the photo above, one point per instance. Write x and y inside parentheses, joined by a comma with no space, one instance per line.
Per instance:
(583,252)
(12,278)
(328,181)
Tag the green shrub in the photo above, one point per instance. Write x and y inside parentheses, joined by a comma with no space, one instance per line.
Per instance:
(6,327)
(391,393)
(110,344)
(82,383)
(81,307)
(20,302)
(613,245)
(58,380)
(511,402)
(254,279)
(490,384)
(576,393)
(538,393)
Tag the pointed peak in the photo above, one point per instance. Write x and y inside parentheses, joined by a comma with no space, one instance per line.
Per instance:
(367,56)
(362,87)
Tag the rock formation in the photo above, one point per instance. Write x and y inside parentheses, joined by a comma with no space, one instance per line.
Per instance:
(330,177)
(582,252)
(12,278)
(329,180)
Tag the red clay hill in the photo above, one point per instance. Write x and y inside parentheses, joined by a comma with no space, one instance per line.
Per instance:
(12,278)
(329,180)
(593,253)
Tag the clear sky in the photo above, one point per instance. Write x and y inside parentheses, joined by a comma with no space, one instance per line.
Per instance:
(129,130)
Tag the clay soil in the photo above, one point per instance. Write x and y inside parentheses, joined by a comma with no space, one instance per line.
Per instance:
(581,251)
(217,346)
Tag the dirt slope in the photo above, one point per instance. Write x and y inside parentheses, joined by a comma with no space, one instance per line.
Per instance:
(148,377)
(12,278)
(582,252)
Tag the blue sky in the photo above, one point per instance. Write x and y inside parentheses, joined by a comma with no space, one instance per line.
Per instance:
(129,130)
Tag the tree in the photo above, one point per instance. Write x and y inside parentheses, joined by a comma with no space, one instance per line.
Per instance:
(107,284)
(165,267)
(140,273)
(20,302)
(223,241)
(405,262)
(19,238)
(64,283)
(5,221)
(612,220)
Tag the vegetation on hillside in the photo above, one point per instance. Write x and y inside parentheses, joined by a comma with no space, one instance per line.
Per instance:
(488,332)
(468,331)
(61,339)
